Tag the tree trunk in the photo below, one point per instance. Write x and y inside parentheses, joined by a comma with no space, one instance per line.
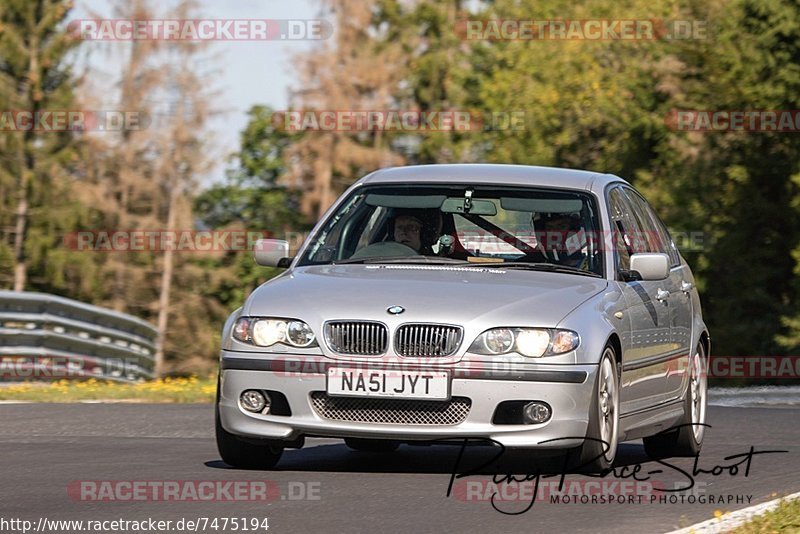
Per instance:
(28,167)
(118,290)
(166,286)
(20,271)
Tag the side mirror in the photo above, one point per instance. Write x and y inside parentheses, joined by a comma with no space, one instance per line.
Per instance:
(272,253)
(650,265)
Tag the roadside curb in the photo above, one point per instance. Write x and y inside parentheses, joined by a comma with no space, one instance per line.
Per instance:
(734,519)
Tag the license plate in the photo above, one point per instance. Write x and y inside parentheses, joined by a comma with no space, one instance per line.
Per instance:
(388,383)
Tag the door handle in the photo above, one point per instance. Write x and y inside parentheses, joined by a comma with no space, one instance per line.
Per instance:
(686,286)
(662,294)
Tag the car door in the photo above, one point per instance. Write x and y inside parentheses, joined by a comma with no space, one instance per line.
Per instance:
(680,284)
(647,315)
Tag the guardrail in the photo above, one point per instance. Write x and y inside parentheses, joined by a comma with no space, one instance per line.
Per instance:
(45,336)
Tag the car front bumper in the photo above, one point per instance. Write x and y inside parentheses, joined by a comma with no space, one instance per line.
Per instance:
(568,389)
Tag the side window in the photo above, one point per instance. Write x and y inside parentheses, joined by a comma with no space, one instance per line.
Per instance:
(329,245)
(626,229)
(672,250)
(659,229)
(375,223)
(651,239)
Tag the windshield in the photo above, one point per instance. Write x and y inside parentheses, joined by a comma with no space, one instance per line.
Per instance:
(461,224)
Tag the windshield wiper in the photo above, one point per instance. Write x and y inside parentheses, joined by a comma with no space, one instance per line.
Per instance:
(540,266)
(428,260)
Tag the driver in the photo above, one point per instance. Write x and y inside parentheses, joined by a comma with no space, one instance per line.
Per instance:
(416,228)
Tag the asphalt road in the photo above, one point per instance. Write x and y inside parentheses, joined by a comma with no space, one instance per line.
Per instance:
(50,454)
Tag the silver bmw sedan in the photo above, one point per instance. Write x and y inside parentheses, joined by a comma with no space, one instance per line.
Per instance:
(531,307)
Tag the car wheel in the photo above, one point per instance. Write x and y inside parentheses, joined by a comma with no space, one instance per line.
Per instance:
(687,439)
(371,445)
(600,448)
(243,454)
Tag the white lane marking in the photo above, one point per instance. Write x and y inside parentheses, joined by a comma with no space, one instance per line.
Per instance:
(734,519)
(755,396)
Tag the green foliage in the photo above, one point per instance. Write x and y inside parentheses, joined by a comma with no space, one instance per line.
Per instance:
(251,195)
(737,186)
(35,75)
(440,75)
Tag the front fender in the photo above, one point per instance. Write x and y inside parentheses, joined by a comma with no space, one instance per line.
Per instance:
(227,341)
(595,322)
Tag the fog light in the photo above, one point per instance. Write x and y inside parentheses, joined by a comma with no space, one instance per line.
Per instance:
(535,413)
(254,401)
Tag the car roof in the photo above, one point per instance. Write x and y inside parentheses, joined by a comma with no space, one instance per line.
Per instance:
(500,174)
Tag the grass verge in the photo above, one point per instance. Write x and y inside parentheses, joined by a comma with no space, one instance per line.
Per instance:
(165,390)
(783,519)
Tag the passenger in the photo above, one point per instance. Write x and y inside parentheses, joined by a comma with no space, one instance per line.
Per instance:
(563,239)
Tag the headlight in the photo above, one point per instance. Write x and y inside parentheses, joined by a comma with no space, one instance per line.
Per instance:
(564,341)
(265,332)
(299,334)
(499,340)
(531,342)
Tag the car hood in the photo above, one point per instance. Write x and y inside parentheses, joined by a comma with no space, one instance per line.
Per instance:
(482,297)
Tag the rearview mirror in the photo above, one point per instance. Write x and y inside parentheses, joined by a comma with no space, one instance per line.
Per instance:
(272,253)
(650,265)
(476,207)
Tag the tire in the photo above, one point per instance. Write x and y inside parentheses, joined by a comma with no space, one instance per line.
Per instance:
(687,439)
(371,445)
(243,454)
(599,450)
